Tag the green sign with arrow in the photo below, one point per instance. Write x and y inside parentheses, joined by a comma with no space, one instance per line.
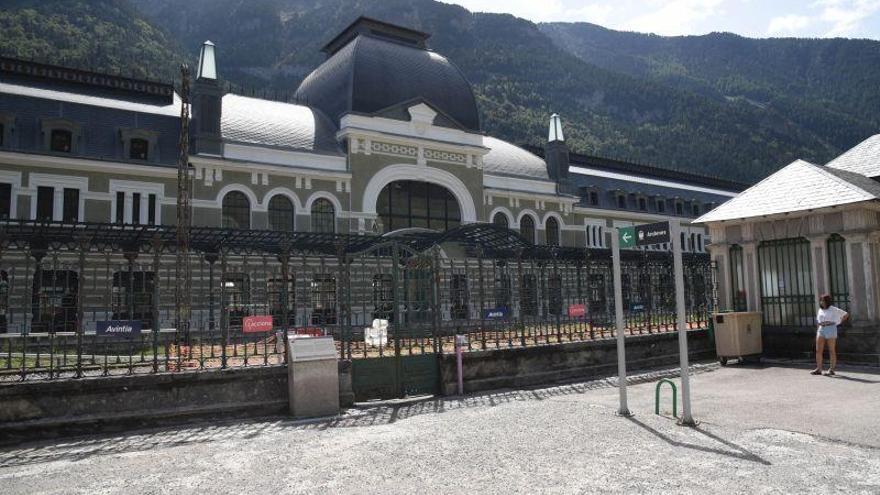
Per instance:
(627,236)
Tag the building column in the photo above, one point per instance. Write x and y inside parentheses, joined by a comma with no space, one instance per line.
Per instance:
(752,276)
(861,274)
(819,265)
(720,255)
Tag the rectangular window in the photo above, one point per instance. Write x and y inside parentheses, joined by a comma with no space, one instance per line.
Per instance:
(2,135)
(5,201)
(136,208)
(275,294)
(45,203)
(383,297)
(621,201)
(61,141)
(737,278)
(323,300)
(133,296)
(54,300)
(643,204)
(459,297)
(679,208)
(528,296)
(594,198)
(71,205)
(696,210)
(236,297)
(120,207)
(151,209)
(837,279)
(661,206)
(137,149)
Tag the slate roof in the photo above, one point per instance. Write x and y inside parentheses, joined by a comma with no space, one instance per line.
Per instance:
(863,158)
(504,158)
(271,123)
(370,74)
(799,186)
(96,100)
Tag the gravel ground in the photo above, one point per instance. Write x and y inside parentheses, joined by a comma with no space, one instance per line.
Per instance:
(771,429)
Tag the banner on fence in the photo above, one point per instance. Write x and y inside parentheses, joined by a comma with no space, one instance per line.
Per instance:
(577,311)
(495,314)
(118,328)
(256,324)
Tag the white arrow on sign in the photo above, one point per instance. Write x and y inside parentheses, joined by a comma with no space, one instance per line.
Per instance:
(626,237)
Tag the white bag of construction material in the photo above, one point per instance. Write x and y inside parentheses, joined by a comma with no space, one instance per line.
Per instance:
(376,335)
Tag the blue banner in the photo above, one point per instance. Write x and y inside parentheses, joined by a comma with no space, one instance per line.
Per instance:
(118,328)
(495,314)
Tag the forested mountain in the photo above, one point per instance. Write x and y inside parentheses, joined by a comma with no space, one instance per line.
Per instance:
(717,104)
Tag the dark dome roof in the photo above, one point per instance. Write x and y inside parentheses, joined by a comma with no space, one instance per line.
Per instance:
(370,74)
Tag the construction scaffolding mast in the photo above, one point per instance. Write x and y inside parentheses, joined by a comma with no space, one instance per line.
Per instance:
(182,299)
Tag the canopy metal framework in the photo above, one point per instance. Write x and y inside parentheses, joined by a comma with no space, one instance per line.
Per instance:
(478,239)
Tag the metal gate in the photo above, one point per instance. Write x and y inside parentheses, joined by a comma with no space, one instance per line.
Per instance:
(391,282)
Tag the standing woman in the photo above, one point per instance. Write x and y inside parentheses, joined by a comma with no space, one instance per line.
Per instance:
(828,318)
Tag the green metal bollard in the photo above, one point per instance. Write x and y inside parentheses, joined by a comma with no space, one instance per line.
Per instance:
(674,397)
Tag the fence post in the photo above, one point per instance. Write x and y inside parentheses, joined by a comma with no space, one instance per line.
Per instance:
(342,288)
(224,318)
(521,327)
(157,253)
(80,289)
(284,258)
(398,316)
(435,288)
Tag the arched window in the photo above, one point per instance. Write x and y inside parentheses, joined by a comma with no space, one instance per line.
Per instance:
(785,275)
(281,214)
(406,203)
(323,216)
(527,228)
(837,276)
(551,231)
(236,213)
(500,220)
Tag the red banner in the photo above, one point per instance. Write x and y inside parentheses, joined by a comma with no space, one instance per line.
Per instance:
(313,331)
(256,324)
(577,311)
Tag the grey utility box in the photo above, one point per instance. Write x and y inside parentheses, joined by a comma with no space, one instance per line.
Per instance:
(312,377)
(737,335)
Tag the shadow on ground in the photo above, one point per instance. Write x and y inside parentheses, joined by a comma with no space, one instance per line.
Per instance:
(363,415)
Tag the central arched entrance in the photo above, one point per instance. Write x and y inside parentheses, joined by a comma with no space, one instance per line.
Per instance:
(408,203)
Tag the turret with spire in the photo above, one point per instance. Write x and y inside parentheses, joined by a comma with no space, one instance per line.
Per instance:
(556,153)
(207,104)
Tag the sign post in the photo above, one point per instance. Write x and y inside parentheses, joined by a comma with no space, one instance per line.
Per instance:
(646,235)
(678,268)
(616,239)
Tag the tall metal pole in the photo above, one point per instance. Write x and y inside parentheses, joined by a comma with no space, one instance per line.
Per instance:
(184,213)
(618,316)
(678,269)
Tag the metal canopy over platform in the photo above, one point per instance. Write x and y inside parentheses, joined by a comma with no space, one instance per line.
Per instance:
(478,239)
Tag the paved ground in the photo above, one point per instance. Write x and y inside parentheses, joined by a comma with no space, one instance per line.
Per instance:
(771,429)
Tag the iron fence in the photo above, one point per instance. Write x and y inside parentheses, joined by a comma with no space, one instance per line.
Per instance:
(60,283)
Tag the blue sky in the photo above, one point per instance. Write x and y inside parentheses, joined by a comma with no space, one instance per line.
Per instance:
(753,18)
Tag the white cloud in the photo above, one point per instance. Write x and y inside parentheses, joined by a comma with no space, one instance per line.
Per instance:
(537,11)
(846,16)
(595,13)
(676,17)
(788,24)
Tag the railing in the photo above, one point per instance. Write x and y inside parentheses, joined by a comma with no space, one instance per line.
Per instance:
(70,355)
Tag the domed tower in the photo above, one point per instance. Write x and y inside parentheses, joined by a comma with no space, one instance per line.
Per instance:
(374,67)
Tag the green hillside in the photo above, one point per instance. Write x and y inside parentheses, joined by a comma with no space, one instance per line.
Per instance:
(716,104)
